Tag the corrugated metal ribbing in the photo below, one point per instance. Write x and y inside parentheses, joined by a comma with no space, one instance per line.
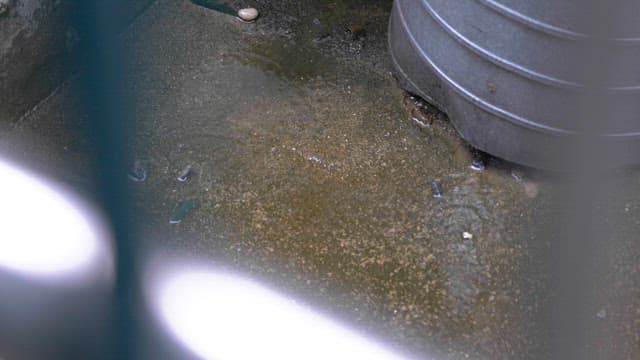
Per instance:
(505,71)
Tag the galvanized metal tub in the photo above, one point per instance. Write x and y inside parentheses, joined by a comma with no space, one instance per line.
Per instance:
(504,71)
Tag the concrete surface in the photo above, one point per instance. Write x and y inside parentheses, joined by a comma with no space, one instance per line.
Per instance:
(310,175)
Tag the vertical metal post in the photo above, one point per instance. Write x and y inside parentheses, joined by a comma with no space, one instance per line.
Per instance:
(103,97)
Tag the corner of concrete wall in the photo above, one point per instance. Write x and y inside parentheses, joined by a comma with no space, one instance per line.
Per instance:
(36,47)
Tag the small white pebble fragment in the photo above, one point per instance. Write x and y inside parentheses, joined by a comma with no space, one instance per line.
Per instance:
(602,314)
(184,174)
(467,235)
(248,14)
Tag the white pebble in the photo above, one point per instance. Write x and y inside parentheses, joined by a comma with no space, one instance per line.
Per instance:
(248,14)
(467,235)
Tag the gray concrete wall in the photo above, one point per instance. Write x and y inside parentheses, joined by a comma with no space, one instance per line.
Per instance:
(36,44)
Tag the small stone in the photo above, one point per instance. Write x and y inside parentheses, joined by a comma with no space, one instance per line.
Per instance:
(467,235)
(248,14)
(602,314)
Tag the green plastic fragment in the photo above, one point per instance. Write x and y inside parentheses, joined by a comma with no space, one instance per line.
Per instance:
(181,211)
(216,6)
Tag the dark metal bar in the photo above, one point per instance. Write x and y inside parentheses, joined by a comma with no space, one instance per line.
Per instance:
(103,97)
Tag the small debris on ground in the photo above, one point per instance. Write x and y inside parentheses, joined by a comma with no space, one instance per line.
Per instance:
(322,38)
(4,7)
(409,100)
(185,174)
(602,314)
(137,172)
(491,86)
(478,160)
(517,174)
(181,211)
(420,118)
(248,14)
(435,189)
(467,235)
(419,110)
(356,30)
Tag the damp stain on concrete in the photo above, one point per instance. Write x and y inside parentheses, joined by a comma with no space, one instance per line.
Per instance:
(310,175)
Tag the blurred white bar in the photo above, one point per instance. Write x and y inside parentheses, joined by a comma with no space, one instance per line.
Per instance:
(225,317)
(47,234)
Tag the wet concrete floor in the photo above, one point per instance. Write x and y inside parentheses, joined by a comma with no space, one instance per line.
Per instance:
(310,175)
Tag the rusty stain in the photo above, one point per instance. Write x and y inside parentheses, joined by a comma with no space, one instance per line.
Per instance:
(491,86)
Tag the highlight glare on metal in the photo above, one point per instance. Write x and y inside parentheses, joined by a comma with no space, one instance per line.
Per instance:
(222,316)
(47,234)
